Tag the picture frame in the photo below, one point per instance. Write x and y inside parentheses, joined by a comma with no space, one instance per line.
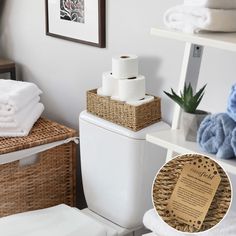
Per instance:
(81,21)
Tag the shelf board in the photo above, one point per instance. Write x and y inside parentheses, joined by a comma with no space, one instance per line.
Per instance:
(226,41)
(174,141)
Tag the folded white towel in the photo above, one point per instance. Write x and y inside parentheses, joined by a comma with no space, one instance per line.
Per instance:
(194,19)
(16,94)
(214,4)
(153,222)
(26,125)
(60,220)
(17,118)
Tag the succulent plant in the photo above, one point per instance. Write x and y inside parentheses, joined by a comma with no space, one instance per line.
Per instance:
(187,100)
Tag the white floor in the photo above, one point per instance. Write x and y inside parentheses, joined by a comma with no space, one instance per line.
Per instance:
(150,234)
(140,232)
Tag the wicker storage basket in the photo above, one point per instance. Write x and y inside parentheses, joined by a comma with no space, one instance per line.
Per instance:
(49,181)
(131,117)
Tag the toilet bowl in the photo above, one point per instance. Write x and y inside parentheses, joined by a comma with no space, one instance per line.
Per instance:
(118,167)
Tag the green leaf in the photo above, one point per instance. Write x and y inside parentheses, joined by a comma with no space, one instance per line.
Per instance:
(175,98)
(199,100)
(200,92)
(187,100)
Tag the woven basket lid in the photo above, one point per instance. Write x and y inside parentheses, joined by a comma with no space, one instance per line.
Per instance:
(43,132)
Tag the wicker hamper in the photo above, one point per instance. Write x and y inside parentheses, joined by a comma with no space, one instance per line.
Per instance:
(131,117)
(47,182)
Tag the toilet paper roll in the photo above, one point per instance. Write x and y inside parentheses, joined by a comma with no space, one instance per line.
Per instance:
(100,92)
(116,98)
(124,67)
(140,102)
(109,84)
(132,89)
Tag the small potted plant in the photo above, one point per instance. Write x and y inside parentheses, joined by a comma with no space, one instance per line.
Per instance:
(191,117)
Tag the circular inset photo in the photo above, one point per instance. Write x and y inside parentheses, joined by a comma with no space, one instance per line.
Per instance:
(192,193)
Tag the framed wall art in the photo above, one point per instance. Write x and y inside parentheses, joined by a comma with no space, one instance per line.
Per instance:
(81,21)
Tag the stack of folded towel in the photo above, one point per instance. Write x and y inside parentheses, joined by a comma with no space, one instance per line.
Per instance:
(19,107)
(200,15)
(217,133)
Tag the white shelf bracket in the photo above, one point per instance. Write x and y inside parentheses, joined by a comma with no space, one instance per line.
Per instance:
(189,74)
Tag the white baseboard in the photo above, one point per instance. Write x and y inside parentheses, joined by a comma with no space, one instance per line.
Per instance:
(150,234)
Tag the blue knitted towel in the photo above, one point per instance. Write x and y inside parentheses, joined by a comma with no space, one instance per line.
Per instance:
(233,141)
(231,108)
(215,134)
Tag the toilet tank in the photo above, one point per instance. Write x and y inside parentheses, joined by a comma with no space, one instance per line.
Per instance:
(118,168)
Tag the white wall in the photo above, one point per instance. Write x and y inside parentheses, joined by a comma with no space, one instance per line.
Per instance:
(65,70)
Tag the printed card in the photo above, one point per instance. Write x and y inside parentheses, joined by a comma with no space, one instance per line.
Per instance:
(194,192)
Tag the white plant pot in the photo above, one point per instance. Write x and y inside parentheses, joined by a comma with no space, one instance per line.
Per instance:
(190,124)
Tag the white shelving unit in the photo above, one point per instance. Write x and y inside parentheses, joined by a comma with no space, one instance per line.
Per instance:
(173,139)
(226,41)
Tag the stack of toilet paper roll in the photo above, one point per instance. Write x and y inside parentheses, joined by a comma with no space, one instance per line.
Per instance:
(124,83)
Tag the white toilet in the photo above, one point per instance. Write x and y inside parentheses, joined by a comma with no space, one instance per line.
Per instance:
(118,168)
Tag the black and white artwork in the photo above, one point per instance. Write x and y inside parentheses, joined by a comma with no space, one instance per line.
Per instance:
(82,21)
(72,10)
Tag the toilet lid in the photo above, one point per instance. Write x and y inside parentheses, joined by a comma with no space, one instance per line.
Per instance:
(107,125)
(60,220)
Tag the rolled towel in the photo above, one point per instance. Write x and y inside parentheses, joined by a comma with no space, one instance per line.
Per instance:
(19,116)
(194,19)
(231,108)
(153,222)
(214,4)
(215,134)
(26,125)
(14,95)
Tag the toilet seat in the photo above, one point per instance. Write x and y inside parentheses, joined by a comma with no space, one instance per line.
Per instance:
(112,229)
(60,220)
